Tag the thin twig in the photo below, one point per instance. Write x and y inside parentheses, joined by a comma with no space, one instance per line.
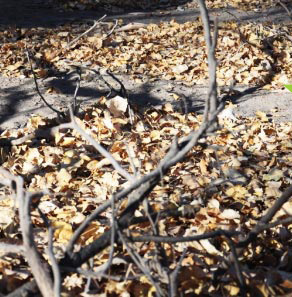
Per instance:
(140,263)
(266,218)
(169,239)
(131,159)
(159,251)
(74,101)
(123,90)
(237,266)
(54,263)
(285,7)
(51,255)
(112,29)
(113,236)
(275,224)
(97,146)
(59,113)
(38,269)
(86,32)
(173,276)
(29,288)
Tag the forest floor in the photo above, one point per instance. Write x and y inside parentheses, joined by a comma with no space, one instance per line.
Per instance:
(230,180)
(19,98)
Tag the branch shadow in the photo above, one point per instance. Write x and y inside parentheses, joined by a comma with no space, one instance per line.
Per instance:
(11,99)
(23,99)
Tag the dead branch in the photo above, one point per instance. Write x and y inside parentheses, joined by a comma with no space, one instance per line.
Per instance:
(74,104)
(285,221)
(266,218)
(51,255)
(137,191)
(239,274)
(112,29)
(60,114)
(169,239)
(97,146)
(113,238)
(76,259)
(285,7)
(174,274)
(39,270)
(160,253)
(140,264)
(211,102)
(175,154)
(86,32)
(123,91)
(132,26)
(55,267)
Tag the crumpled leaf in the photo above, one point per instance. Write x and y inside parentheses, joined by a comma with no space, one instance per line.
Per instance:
(63,231)
(229,214)
(117,106)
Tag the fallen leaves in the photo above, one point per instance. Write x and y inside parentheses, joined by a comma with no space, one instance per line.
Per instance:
(238,176)
(166,51)
(228,185)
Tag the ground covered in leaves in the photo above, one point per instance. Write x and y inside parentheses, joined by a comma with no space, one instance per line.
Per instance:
(226,182)
(249,54)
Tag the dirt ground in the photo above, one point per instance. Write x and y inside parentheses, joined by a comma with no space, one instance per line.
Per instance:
(19,99)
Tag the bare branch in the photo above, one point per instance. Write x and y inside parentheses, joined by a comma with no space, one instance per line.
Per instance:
(168,239)
(86,32)
(27,289)
(123,90)
(175,154)
(47,133)
(131,159)
(112,29)
(76,259)
(140,263)
(50,252)
(266,218)
(74,101)
(275,224)
(59,113)
(285,7)
(113,237)
(174,274)
(212,64)
(97,146)
(38,269)
(237,266)
(54,263)
(160,253)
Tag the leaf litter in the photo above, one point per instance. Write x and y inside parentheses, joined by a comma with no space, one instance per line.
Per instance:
(227,182)
(249,54)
